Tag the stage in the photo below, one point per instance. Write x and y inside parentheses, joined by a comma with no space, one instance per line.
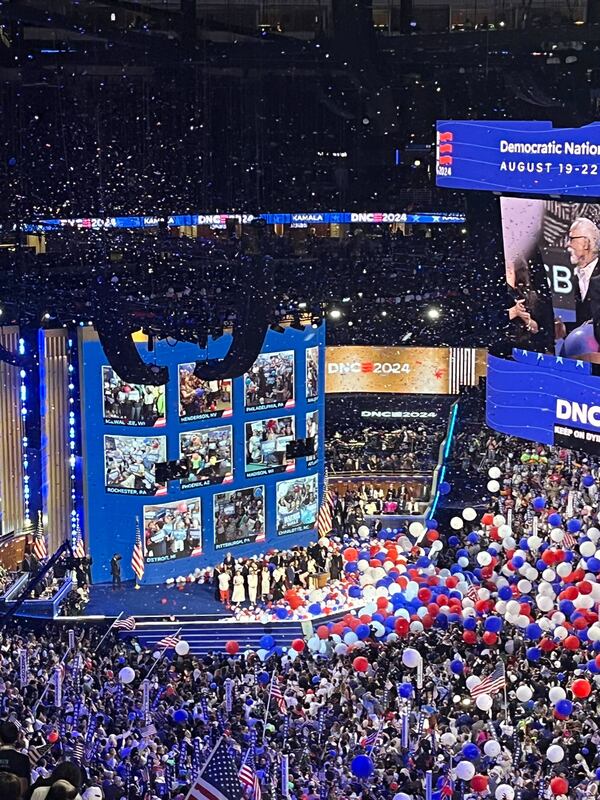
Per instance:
(192,600)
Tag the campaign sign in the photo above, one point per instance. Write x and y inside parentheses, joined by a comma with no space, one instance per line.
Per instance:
(544,399)
(515,156)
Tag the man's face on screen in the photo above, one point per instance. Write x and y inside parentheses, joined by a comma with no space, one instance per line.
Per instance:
(579,246)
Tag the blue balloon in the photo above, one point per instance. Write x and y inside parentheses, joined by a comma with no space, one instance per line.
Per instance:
(518,561)
(351,566)
(281,613)
(314,608)
(431,524)
(457,666)
(406,690)
(363,631)
(505,592)
(444,488)
(263,677)
(493,624)
(564,707)
(534,653)
(588,480)
(453,541)
(573,525)
(580,341)
(362,766)
(555,520)
(539,503)
(315,680)
(470,624)
(472,538)
(266,642)
(593,564)
(471,751)
(356,591)
(180,715)
(533,631)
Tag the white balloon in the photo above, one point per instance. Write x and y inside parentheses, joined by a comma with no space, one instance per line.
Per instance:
(262,653)
(544,603)
(504,792)
(556,693)
(363,532)
(594,633)
(504,530)
(524,693)
(469,514)
(534,542)
(564,569)
(557,535)
(493,486)
(411,657)
(456,523)
(472,681)
(416,528)
(555,753)
(182,648)
(313,644)
(587,549)
(416,626)
(448,739)
(484,702)
(494,472)
(561,633)
(484,558)
(513,607)
(350,638)
(126,675)
(492,748)
(465,770)
(499,520)
(524,586)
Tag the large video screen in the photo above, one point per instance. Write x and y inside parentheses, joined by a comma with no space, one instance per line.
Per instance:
(200,399)
(312,373)
(312,432)
(132,404)
(266,445)
(270,382)
(552,276)
(173,530)
(297,501)
(130,464)
(239,517)
(209,453)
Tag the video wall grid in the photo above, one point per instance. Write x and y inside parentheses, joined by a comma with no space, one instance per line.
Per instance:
(241,490)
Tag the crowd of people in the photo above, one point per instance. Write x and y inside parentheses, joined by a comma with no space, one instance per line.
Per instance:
(406,448)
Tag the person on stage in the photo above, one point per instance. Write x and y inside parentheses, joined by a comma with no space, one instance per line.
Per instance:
(115,571)
(252,584)
(583,249)
(239,594)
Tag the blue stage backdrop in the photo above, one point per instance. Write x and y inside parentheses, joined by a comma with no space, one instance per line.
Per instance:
(242,494)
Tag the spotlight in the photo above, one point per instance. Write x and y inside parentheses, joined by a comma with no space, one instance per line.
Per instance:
(335,313)
(433,313)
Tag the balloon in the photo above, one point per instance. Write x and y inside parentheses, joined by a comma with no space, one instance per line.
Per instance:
(363,532)
(493,486)
(492,748)
(465,770)
(556,694)
(448,739)
(581,688)
(559,785)
(411,658)
(456,523)
(444,488)
(479,783)
(494,472)
(524,694)
(469,514)
(180,715)
(362,766)
(298,645)
(564,707)
(126,675)
(351,554)
(555,753)
(232,647)
(504,792)
(53,737)
(266,642)
(182,648)
(470,750)
(323,632)
(484,702)
(360,664)
(580,341)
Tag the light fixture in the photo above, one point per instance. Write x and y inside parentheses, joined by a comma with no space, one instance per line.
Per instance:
(335,313)
(433,313)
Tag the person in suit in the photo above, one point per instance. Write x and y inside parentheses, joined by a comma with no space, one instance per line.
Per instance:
(115,571)
(583,249)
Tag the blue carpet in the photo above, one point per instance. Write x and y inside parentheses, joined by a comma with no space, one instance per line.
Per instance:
(153,600)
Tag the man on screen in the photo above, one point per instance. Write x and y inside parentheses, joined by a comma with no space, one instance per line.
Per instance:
(583,249)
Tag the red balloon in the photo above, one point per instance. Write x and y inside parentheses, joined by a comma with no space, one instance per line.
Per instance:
(490,638)
(571,643)
(360,664)
(401,626)
(323,632)
(382,602)
(487,519)
(585,587)
(581,687)
(479,783)
(559,785)
(232,647)
(351,554)
(53,737)
(298,645)
(424,594)
(470,637)
(295,602)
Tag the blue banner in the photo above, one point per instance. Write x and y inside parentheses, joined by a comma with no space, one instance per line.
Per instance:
(513,156)
(544,399)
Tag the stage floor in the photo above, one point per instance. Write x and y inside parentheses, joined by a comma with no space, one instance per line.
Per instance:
(194,599)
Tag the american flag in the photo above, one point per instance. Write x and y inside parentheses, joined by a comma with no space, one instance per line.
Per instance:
(35,753)
(472,592)
(369,741)
(79,549)
(249,780)
(127,624)
(78,751)
(39,547)
(447,787)
(569,540)
(137,557)
(219,780)
(492,684)
(325,516)
(277,695)
(168,642)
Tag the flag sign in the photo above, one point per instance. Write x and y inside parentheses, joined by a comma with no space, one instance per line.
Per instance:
(23,667)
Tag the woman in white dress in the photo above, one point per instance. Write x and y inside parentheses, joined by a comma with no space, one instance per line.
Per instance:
(265,581)
(239,593)
(252,584)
